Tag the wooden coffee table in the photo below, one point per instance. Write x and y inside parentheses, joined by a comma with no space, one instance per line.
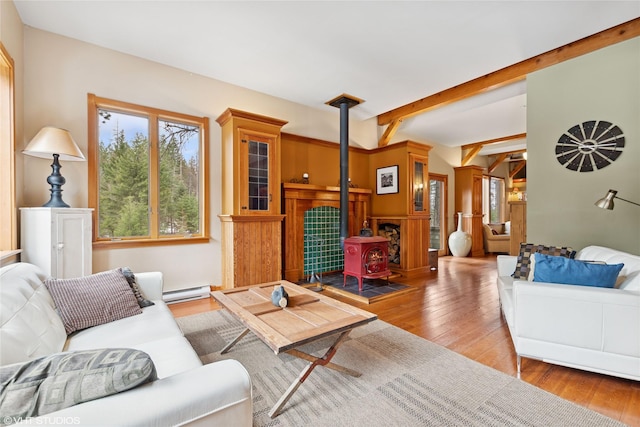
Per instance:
(308,317)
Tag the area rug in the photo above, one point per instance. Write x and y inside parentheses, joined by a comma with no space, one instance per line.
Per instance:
(373,290)
(406,381)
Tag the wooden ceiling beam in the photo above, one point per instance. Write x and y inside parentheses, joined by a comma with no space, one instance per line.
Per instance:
(474,149)
(517,168)
(524,150)
(389,132)
(495,141)
(471,154)
(501,158)
(515,72)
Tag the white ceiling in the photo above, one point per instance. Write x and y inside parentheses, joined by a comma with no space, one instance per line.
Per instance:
(388,53)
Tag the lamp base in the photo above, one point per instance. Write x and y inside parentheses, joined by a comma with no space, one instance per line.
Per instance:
(56,180)
(55,202)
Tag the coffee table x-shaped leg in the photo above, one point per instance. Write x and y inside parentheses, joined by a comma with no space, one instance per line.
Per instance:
(324,360)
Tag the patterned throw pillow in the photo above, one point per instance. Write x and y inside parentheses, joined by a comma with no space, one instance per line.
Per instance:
(88,301)
(61,380)
(131,278)
(523,263)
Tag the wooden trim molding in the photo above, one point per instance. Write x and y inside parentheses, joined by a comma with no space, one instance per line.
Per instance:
(8,211)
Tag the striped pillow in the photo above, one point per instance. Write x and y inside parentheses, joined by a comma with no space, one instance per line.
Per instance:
(88,301)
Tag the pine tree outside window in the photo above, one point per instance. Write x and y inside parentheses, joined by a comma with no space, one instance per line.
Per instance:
(147,173)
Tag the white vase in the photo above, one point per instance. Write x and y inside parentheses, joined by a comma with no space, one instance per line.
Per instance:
(460,241)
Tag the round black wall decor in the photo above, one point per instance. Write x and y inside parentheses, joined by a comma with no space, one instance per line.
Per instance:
(590,145)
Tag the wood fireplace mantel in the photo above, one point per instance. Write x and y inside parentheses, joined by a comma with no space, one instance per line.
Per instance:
(299,198)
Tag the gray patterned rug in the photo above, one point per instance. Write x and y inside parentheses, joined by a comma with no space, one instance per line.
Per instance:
(406,381)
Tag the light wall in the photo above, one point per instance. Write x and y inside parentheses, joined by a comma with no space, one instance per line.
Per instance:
(602,85)
(60,71)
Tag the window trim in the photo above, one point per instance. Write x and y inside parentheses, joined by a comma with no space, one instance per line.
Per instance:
(94,103)
(8,208)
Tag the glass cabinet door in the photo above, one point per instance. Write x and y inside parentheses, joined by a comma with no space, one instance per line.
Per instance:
(258,176)
(257,166)
(419,184)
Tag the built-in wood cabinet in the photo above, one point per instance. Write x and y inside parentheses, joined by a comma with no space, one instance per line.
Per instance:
(409,243)
(404,217)
(518,218)
(250,219)
(250,163)
(468,200)
(58,240)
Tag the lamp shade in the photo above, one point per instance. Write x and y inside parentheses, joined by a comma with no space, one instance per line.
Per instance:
(607,201)
(51,140)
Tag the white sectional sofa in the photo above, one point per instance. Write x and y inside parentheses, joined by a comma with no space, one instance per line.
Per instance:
(590,328)
(186,392)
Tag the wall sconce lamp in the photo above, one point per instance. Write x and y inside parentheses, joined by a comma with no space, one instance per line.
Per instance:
(607,201)
(59,143)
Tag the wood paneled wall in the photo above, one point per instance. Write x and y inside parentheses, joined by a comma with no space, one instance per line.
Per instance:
(321,160)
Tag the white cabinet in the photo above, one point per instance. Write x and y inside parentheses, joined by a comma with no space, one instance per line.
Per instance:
(58,240)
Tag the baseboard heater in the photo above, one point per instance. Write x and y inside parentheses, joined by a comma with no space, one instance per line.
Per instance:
(186,294)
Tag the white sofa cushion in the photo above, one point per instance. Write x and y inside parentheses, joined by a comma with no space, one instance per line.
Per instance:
(164,342)
(128,331)
(630,273)
(29,325)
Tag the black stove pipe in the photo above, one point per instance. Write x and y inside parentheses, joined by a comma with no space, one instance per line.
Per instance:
(344,171)
(344,102)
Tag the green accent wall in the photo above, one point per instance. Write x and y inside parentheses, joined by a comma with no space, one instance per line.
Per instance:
(602,85)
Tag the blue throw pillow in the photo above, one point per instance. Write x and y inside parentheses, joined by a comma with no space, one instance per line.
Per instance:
(556,269)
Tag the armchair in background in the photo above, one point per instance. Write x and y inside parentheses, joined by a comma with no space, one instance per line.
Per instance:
(497,237)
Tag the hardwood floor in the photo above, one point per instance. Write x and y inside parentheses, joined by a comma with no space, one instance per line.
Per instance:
(458,308)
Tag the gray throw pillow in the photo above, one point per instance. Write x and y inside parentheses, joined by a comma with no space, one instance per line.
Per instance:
(92,300)
(131,278)
(61,380)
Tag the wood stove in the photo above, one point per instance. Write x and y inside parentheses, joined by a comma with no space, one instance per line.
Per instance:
(366,258)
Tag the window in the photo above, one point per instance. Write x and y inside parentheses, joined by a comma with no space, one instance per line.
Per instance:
(493,199)
(147,174)
(8,223)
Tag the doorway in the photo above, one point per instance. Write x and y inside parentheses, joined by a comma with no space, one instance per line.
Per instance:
(438,211)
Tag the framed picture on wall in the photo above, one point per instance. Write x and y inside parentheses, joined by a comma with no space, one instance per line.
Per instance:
(387,180)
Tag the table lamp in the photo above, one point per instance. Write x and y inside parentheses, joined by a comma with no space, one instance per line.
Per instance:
(59,143)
